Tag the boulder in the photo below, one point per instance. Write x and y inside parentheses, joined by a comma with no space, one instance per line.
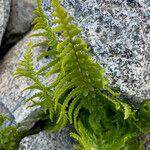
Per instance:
(118,33)
(47,141)
(4,15)
(21,17)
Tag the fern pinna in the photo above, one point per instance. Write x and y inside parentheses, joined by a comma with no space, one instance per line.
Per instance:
(80,92)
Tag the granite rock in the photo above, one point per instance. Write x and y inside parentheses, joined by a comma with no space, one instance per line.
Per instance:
(47,141)
(4,15)
(118,33)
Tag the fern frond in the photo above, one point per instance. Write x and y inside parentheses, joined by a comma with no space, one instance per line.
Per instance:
(72,107)
(58,94)
(74,93)
(127,110)
(26,66)
(42,23)
(48,66)
(36,95)
(76,113)
(33,86)
(74,57)
(55,69)
(48,105)
(9,138)
(87,140)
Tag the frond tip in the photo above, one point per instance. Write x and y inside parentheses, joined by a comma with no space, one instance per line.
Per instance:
(26,67)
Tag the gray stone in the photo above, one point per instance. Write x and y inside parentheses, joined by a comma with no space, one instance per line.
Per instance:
(5,111)
(118,33)
(47,141)
(4,15)
(21,16)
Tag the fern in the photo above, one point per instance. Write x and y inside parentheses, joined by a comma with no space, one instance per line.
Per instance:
(108,131)
(27,69)
(78,71)
(80,93)
(43,94)
(41,23)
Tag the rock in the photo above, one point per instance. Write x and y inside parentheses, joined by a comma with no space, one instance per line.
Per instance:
(4,15)
(21,17)
(5,111)
(47,141)
(118,33)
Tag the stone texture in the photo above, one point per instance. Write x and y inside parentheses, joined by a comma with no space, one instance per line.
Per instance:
(47,141)
(4,15)
(21,16)
(118,33)
(5,111)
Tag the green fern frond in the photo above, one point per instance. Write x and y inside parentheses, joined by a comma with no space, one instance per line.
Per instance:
(42,23)
(72,95)
(9,136)
(63,90)
(87,140)
(26,66)
(95,133)
(36,95)
(55,69)
(33,86)
(127,110)
(48,66)
(26,69)
(75,59)
(71,108)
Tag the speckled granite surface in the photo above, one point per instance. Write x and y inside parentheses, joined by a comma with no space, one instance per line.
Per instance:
(47,141)
(118,33)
